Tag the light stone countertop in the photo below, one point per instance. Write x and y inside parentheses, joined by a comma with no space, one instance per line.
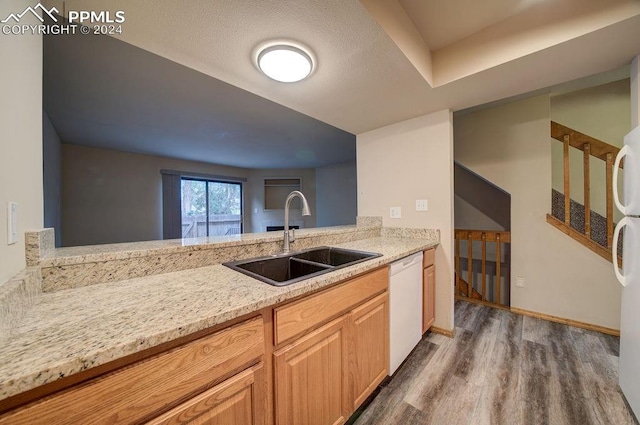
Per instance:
(121,251)
(69,331)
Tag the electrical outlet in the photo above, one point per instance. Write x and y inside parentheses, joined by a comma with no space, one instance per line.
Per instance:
(422,205)
(520,281)
(12,223)
(395,212)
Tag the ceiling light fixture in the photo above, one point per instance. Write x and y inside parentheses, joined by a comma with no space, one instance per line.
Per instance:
(284,61)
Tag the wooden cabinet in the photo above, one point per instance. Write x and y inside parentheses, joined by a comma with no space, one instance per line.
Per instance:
(296,318)
(326,372)
(368,347)
(311,378)
(147,389)
(311,361)
(428,290)
(236,401)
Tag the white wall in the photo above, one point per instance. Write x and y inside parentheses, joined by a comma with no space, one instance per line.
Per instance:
(401,163)
(111,196)
(52,177)
(336,193)
(21,133)
(509,145)
(602,112)
(259,218)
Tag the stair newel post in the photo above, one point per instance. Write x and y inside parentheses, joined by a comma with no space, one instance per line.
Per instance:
(484,266)
(587,189)
(498,264)
(609,199)
(567,197)
(469,264)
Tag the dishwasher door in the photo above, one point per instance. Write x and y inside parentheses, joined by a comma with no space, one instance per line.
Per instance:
(405,308)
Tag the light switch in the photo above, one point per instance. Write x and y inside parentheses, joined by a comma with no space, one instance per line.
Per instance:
(520,281)
(395,212)
(422,205)
(12,223)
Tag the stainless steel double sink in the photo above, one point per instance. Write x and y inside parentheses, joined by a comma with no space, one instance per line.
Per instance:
(285,269)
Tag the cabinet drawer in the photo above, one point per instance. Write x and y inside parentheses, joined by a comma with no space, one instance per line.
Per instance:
(147,388)
(236,401)
(429,258)
(301,316)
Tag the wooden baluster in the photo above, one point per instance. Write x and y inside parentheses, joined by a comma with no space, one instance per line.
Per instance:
(484,266)
(587,190)
(457,283)
(498,263)
(609,199)
(567,198)
(469,265)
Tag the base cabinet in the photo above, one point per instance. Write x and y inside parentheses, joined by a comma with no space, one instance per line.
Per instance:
(368,348)
(428,290)
(236,401)
(323,376)
(312,361)
(311,380)
(147,389)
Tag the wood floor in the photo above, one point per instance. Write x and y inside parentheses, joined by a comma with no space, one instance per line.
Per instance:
(503,368)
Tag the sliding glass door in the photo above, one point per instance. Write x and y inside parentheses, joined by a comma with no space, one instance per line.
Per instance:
(210,208)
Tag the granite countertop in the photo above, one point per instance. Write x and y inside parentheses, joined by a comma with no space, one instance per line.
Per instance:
(72,330)
(120,251)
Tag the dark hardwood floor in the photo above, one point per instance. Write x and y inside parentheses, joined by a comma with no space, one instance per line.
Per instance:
(503,368)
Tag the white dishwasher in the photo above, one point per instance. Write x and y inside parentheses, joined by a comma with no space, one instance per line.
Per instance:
(405,308)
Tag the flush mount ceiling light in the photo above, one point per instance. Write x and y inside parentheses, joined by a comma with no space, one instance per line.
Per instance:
(283,61)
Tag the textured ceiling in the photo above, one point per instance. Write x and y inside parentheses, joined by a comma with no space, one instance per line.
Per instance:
(442,23)
(370,72)
(102,92)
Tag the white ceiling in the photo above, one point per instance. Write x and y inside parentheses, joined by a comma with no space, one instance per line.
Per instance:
(375,70)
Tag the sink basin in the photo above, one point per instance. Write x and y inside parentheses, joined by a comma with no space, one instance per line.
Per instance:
(285,269)
(335,256)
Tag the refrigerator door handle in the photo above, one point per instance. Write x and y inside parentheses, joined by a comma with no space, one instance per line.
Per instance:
(616,166)
(616,236)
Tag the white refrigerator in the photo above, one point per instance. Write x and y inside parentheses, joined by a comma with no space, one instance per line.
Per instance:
(629,277)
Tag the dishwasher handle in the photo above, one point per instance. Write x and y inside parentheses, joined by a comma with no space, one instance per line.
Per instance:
(405,263)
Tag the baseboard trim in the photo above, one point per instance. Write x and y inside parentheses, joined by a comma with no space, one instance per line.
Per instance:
(570,322)
(444,332)
(488,304)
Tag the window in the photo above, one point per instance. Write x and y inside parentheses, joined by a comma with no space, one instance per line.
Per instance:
(210,208)
(196,204)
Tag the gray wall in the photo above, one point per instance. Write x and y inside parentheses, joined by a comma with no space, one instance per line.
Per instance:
(336,194)
(257,217)
(111,196)
(52,177)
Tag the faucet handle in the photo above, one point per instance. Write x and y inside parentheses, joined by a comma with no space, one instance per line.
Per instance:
(292,235)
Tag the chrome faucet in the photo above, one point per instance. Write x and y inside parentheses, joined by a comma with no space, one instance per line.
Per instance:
(288,238)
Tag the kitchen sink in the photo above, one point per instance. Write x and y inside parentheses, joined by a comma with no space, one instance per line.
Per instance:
(335,256)
(285,269)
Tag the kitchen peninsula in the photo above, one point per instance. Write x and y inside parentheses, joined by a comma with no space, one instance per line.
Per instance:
(107,310)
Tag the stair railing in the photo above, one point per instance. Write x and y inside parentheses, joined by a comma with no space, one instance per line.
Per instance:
(483,275)
(590,147)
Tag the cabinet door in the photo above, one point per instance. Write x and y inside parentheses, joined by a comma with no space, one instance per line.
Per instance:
(238,401)
(368,347)
(311,379)
(428,298)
